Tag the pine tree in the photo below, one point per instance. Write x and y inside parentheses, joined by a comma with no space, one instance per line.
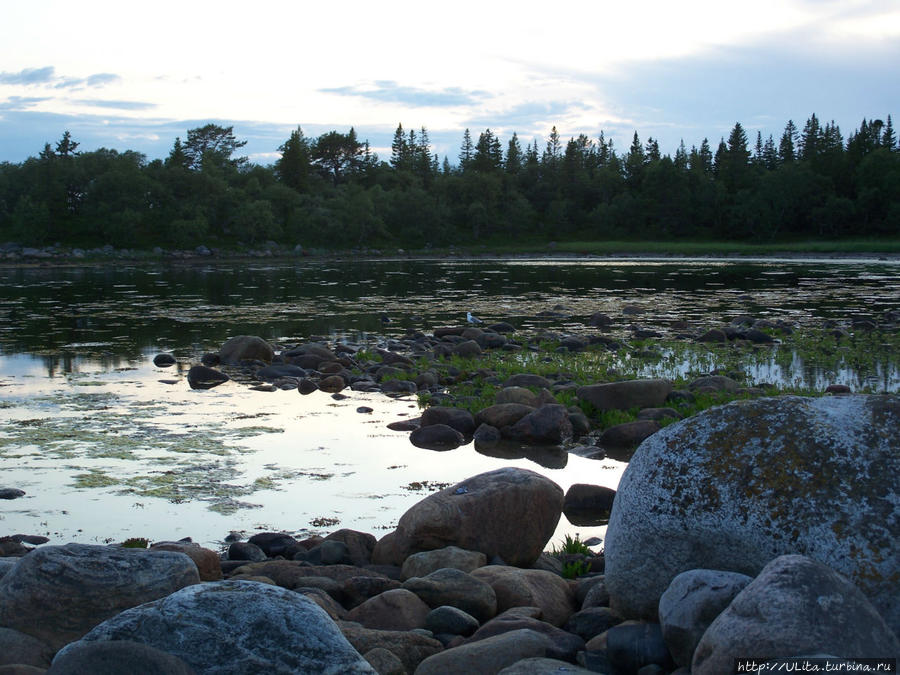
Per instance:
(466,151)
(634,161)
(681,157)
(889,138)
(399,150)
(770,154)
(811,139)
(652,150)
(553,152)
(513,162)
(66,147)
(787,146)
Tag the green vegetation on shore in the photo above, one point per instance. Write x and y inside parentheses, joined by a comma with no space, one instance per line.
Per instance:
(811,190)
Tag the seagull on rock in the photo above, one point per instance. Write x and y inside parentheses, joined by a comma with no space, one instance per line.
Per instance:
(471,318)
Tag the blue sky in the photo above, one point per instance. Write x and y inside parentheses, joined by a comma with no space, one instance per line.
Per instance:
(135,76)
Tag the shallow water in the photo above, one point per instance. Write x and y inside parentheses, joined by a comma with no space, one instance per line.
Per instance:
(107,446)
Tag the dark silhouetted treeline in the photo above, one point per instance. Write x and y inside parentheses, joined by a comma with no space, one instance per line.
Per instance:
(333,192)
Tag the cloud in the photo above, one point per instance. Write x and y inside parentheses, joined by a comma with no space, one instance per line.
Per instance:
(21,102)
(117,105)
(28,76)
(388,91)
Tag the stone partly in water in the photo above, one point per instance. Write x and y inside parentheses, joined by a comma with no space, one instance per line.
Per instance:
(626,395)
(735,486)
(118,656)
(588,505)
(203,377)
(509,512)
(58,593)
(436,437)
(795,606)
(238,627)
(246,348)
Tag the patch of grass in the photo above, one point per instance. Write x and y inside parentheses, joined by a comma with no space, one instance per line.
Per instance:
(136,542)
(575,569)
(571,545)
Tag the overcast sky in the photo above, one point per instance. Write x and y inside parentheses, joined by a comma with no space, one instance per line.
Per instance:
(134,76)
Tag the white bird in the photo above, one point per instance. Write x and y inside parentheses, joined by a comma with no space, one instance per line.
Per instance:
(471,318)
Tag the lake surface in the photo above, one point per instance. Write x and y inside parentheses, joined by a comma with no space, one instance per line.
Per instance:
(108,446)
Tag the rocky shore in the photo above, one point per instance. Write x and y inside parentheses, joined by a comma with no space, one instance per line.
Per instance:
(763,528)
(767,527)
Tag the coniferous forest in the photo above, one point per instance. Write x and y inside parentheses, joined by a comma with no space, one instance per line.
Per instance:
(334,192)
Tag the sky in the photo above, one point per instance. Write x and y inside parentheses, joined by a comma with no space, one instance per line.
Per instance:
(134,76)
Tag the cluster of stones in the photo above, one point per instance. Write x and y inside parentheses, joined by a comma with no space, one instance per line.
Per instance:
(728,538)
(526,413)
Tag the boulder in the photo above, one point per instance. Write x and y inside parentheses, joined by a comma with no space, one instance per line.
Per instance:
(411,648)
(516,587)
(537,665)
(426,562)
(627,435)
(117,656)
(519,395)
(632,647)
(508,512)
(715,383)
(208,564)
(246,348)
(735,486)
(689,605)
(359,544)
(450,621)
(11,493)
(356,590)
(467,349)
(549,424)
(561,644)
(385,662)
(588,505)
(459,419)
(456,589)
(163,360)
(795,606)
(204,377)
(18,647)
(487,656)
(528,380)
(397,609)
(436,437)
(590,622)
(58,593)
(237,627)
(626,395)
(502,414)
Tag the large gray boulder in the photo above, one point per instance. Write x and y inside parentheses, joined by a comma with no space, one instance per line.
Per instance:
(626,395)
(490,655)
(58,593)
(735,486)
(795,606)
(238,627)
(509,512)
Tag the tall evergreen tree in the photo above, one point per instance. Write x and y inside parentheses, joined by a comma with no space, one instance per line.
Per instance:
(553,152)
(634,162)
(466,151)
(889,137)
(292,168)
(399,150)
(810,139)
(787,146)
(513,162)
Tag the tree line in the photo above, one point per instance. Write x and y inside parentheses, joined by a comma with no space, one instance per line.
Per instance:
(333,191)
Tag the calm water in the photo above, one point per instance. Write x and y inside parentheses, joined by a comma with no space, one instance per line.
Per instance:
(108,446)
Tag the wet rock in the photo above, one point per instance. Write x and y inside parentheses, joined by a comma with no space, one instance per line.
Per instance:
(591,621)
(274,372)
(57,593)
(385,662)
(455,588)
(486,435)
(588,505)
(837,389)
(519,395)
(626,395)
(502,327)
(538,665)
(658,414)
(246,348)
(689,605)
(244,550)
(399,387)
(549,424)
(757,336)
(359,545)
(237,627)
(628,435)
(275,543)
(713,335)
(459,419)
(734,485)
(466,349)
(509,512)
(404,425)
(117,656)
(795,606)
(356,590)
(11,493)
(163,360)
(517,587)
(307,386)
(332,384)
(203,377)
(436,437)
